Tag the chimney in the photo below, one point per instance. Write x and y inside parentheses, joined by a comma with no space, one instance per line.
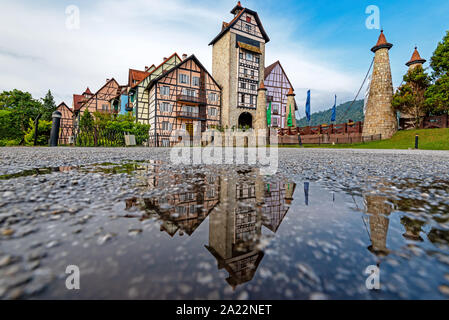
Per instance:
(184,56)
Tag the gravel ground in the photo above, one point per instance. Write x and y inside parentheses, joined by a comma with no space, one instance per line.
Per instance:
(32,205)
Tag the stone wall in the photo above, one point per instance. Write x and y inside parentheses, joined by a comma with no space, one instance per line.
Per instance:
(221,73)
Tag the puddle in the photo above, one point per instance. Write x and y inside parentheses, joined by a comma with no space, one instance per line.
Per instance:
(208,233)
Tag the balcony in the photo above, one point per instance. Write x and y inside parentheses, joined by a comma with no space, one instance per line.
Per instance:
(191,99)
(189,115)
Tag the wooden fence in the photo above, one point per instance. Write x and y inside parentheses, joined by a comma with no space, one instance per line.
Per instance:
(432,122)
(342,128)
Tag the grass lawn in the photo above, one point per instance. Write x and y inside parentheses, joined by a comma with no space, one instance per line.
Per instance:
(429,139)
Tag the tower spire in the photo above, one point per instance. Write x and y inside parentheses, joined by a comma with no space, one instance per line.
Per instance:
(381,43)
(416,59)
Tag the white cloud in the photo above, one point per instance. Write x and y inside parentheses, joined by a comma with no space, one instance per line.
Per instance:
(39,53)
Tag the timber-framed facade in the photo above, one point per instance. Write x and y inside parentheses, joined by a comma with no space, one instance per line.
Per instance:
(138,95)
(184,98)
(278,85)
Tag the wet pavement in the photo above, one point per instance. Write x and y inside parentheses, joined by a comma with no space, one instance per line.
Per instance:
(140,228)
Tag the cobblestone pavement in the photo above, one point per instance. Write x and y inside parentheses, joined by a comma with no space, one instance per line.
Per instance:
(61,206)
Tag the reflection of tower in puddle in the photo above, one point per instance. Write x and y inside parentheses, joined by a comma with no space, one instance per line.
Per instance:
(183,210)
(235,226)
(378,209)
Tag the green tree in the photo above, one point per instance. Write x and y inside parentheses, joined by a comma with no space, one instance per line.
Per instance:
(22,105)
(440,59)
(410,97)
(48,106)
(9,126)
(437,96)
(86,121)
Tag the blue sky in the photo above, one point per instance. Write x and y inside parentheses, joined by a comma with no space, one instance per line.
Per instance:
(323,45)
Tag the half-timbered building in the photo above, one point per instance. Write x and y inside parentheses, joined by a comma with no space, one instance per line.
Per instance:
(139,81)
(66,124)
(100,101)
(186,97)
(278,85)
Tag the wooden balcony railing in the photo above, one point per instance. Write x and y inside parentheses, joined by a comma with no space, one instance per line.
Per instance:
(191,99)
(189,115)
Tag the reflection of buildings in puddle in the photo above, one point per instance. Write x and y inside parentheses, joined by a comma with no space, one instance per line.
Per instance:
(186,210)
(378,210)
(237,209)
(183,210)
(439,236)
(413,228)
(235,226)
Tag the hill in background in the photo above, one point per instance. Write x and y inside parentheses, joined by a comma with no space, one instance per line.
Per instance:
(355,113)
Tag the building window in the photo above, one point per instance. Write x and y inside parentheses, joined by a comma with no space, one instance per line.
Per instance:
(248,19)
(188,92)
(248,28)
(213,112)
(213,97)
(183,78)
(165,90)
(257,59)
(166,126)
(196,81)
(253,87)
(211,193)
(275,108)
(243,85)
(190,110)
(166,107)
(242,98)
(249,56)
(165,143)
(241,55)
(104,107)
(275,122)
(180,210)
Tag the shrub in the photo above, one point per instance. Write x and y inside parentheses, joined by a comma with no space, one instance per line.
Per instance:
(43,133)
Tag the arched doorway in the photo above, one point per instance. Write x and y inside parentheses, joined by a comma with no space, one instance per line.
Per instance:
(246,120)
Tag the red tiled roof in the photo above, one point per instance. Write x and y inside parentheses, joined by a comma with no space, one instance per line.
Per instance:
(416,58)
(78,100)
(87,91)
(136,75)
(381,42)
(148,73)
